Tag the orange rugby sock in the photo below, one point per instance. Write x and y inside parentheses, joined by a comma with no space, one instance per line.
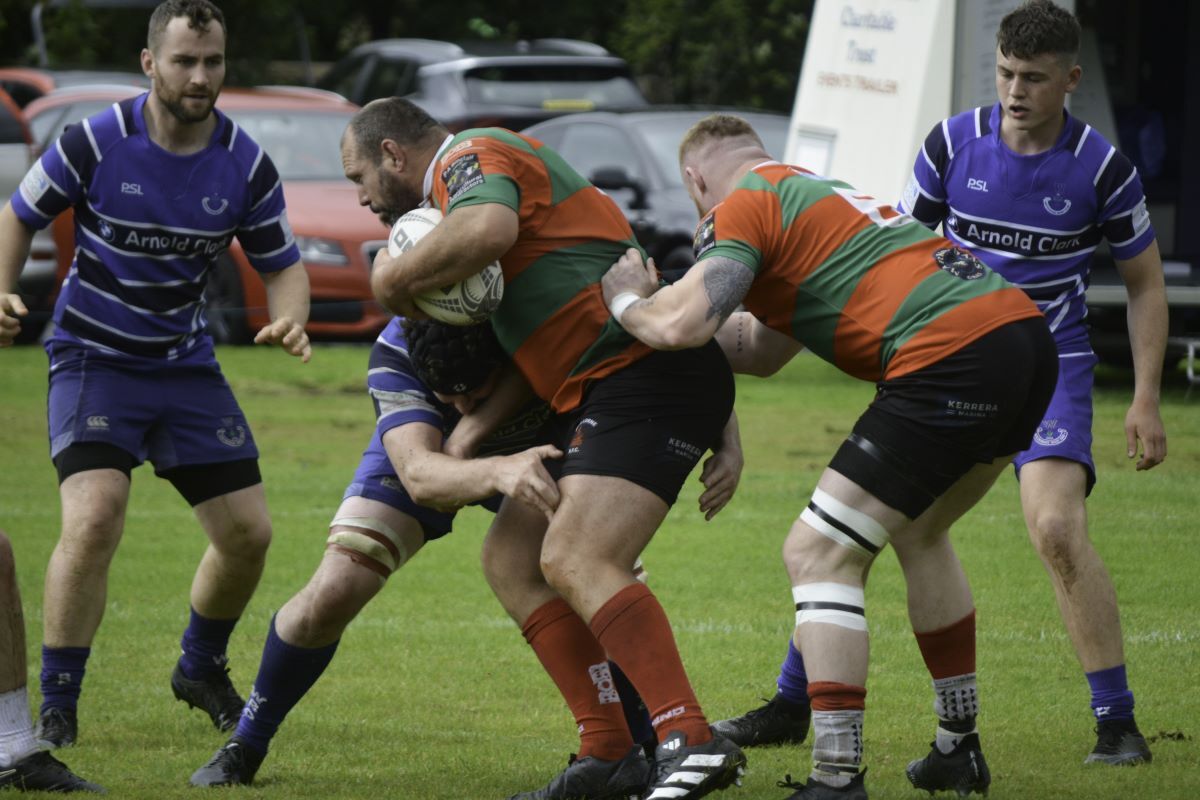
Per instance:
(577,664)
(949,651)
(633,629)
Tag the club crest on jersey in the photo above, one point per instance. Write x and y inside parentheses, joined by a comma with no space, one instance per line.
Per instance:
(214,205)
(960,263)
(1057,205)
(706,235)
(1049,434)
(462,175)
(231,433)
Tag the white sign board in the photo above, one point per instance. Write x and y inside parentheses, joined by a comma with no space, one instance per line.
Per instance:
(876,77)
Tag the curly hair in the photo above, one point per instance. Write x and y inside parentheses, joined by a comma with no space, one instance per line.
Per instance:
(452,359)
(200,14)
(1037,27)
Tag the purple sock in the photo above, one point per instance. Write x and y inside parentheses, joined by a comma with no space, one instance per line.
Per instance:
(1111,698)
(285,675)
(793,680)
(62,675)
(203,645)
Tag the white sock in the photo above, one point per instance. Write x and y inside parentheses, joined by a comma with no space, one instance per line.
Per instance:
(16,728)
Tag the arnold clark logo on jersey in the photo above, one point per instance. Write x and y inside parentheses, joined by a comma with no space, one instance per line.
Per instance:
(1019,241)
(162,243)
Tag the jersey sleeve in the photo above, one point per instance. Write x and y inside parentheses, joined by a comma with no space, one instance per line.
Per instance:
(56,181)
(734,229)
(1123,220)
(265,233)
(398,395)
(925,194)
(476,171)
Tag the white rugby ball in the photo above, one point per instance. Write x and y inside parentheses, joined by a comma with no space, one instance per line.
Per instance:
(467,302)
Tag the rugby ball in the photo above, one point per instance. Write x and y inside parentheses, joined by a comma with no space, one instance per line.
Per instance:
(467,302)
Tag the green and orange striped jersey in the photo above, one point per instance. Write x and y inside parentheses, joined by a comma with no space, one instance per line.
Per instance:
(552,319)
(868,289)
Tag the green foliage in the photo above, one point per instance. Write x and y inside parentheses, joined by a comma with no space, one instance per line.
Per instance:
(434,695)
(731,52)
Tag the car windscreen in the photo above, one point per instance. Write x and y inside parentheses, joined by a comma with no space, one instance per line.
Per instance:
(663,133)
(304,145)
(553,87)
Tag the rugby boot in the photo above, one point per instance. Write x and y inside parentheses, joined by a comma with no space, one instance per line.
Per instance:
(591,778)
(42,772)
(1120,743)
(779,721)
(962,770)
(685,772)
(816,790)
(234,764)
(57,727)
(213,693)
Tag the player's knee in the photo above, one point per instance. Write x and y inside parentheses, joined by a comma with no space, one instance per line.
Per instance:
(1059,538)
(561,567)
(245,537)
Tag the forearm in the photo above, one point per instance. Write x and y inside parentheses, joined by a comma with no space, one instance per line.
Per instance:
(1147,321)
(15,238)
(461,245)
(511,394)
(665,324)
(288,294)
(441,481)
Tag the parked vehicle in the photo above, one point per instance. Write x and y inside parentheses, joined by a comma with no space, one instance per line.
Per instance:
(479,84)
(301,130)
(634,156)
(26,84)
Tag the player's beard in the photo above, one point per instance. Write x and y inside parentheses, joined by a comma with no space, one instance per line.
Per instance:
(174,103)
(397,199)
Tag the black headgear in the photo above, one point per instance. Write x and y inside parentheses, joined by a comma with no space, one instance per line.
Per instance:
(452,359)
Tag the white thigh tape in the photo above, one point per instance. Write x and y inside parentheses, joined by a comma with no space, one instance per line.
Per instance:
(847,526)
(369,547)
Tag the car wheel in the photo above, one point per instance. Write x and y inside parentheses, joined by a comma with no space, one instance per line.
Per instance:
(226,308)
(676,262)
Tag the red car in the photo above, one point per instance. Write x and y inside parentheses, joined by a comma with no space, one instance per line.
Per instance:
(301,130)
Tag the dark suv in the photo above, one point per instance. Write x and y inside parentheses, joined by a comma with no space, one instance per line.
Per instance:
(478,84)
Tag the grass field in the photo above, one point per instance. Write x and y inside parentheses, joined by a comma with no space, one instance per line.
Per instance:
(435,695)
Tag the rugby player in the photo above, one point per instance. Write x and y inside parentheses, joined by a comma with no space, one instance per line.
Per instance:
(425,379)
(631,423)
(1033,191)
(160,184)
(964,366)
(24,765)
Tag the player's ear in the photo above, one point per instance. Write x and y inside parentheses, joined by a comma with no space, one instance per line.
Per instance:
(393,155)
(147,63)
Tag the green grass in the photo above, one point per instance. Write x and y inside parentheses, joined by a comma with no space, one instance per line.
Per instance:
(435,695)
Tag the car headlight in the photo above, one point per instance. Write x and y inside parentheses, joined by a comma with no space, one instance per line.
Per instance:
(315,250)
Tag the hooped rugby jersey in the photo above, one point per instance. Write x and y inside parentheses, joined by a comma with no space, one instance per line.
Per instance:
(149,226)
(1035,219)
(400,398)
(861,285)
(552,319)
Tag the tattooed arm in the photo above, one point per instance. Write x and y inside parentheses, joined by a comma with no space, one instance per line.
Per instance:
(754,349)
(684,314)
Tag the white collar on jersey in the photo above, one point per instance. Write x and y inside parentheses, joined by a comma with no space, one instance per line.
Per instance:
(427,186)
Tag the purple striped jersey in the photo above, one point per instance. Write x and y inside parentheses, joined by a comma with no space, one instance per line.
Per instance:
(1035,219)
(149,226)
